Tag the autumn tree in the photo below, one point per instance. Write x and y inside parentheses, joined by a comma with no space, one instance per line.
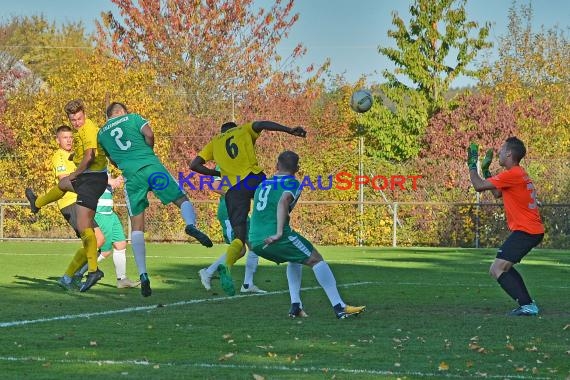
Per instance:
(31,48)
(41,45)
(11,73)
(33,116)
(435,48)
(213,52)
(479,118)
(534,65)
(393,133)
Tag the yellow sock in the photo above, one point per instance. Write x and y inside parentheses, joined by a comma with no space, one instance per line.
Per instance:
(77,262)
(90,245)
(234,252)
(53,194)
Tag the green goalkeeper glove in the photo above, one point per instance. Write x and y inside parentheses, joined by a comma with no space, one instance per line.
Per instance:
(486,163)
(472,156)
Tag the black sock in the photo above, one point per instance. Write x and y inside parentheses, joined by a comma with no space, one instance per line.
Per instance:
(513,285)
(246,286)
(524,297)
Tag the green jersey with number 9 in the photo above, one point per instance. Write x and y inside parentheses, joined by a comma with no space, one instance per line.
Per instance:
(124,143)
(265,202)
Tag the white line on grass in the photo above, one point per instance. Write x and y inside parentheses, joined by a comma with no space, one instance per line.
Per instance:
(299,369)
(191,302)
(146,308)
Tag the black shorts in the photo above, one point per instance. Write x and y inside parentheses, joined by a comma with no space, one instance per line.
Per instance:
(70,215)
(239,196)
(517,245)
(89,187)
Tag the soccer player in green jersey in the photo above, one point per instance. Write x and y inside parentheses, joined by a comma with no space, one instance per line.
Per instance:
(272,237)
(128,141)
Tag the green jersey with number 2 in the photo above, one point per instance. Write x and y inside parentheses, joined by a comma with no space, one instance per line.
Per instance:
(121,137)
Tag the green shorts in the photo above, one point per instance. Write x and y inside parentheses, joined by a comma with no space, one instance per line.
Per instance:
(112,230)
(155,178)
(291,247)
(227,230)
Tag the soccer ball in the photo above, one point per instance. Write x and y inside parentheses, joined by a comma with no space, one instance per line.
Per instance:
(361,101)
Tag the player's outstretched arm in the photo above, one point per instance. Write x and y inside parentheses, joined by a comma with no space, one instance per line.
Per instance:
(267,125)
(479,184)
(485,165)
(198,166)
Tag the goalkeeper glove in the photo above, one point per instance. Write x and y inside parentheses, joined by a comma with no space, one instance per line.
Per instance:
(472,156)
(486,163)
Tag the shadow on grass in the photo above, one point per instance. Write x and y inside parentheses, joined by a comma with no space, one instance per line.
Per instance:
(174,279)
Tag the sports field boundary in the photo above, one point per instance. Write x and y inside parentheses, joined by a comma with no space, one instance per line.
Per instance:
(151,307)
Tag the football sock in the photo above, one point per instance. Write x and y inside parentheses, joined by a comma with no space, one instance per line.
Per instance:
(90,244)
(214,267)
(83,269)
(120,261)
(512,284)
(188,213)
(294,275)
(53,194)
(77,262)
(240,231)
(250,267)
(139,250)
(66,279)
(327,281)
(524,297)
(233,252)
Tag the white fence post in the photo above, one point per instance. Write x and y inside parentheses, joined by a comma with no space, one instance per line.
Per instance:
(395,224)
(129,229)
(1,222)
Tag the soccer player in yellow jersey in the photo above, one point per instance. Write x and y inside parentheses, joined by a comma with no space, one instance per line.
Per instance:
(88,181)
(62,166)
(234,152)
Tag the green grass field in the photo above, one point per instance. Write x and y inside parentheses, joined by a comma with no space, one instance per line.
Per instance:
(432,313)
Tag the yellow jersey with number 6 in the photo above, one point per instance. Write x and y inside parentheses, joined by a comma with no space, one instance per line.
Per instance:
(234,153)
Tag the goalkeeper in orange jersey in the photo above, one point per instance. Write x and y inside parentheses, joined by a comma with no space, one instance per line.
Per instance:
(523,219)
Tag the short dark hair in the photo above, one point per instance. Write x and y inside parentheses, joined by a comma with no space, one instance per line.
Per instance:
(289,161)
(74,106)
(228,125)
(114,107)
(517,148)
(63,128)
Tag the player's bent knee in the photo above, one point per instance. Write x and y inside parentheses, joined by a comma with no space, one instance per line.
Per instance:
(181,200)
(119,245)
(498,267)
(314,259)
